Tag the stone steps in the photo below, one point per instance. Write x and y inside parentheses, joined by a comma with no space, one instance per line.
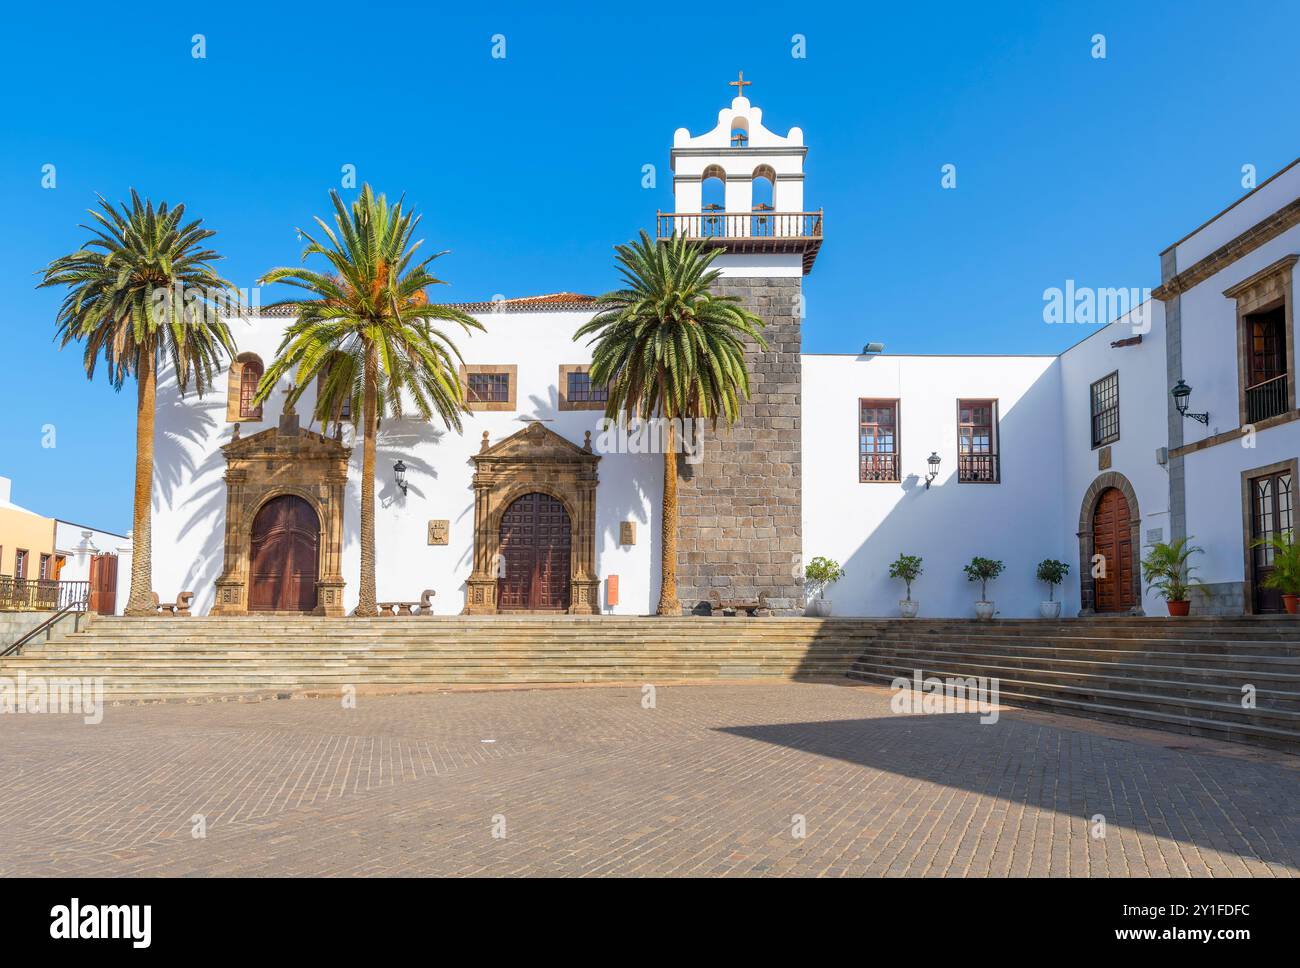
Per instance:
(1076,639)
(1243,668)
(1277,699)
(207,657)
(1152,655)
(1180,678)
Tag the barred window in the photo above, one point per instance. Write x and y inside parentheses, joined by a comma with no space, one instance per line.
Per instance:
(489,387)
(580,389)
(878,441)
(1105,410)
(977,452)
(250,375)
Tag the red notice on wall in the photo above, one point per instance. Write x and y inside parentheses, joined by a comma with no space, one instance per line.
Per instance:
(611,591)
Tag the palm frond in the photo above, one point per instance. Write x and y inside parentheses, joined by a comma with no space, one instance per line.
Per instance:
(665,343)
(142,287)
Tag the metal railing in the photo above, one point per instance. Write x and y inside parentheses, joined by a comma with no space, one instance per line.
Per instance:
(77,609)
(977,468)
(41,594)
(1267,398)
(739,225)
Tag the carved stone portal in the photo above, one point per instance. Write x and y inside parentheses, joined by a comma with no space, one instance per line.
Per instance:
(276,462)
(534,460)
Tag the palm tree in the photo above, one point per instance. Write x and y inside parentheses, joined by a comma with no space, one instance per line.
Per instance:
(140,290)
(369,335)
(667,346)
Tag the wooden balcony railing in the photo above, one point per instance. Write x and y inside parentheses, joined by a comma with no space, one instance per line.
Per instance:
(977,468)
(41,594)
(1267,398)
(875,468)
(740,225)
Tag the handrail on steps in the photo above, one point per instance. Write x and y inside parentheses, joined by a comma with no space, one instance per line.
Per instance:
(78,606)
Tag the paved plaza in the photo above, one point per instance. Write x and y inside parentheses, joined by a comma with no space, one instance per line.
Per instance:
(726,779)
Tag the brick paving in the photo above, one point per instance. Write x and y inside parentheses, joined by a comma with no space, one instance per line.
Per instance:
(712,781)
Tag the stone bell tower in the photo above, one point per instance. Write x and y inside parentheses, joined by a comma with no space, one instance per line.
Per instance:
(740,507)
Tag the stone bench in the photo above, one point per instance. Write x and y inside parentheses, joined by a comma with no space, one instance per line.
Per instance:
(423,607)
(177,609)
(753,607)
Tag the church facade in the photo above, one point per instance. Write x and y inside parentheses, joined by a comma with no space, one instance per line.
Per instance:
(537,505)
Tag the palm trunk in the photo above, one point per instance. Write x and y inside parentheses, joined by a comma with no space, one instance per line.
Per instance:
(366,600)
(140,601)
(668,601)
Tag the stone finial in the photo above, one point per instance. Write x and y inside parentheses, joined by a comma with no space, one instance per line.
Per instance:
(586,442)
(234,435)
(484,446)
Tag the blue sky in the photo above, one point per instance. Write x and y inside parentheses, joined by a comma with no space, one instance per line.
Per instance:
(529,168)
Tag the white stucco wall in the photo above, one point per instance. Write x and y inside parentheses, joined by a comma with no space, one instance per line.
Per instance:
(1143,392)
(190,494)
(866,526)
(1276,191)
(1209,365)
(69,540)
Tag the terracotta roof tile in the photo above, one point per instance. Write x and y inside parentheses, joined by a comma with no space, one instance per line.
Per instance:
(550,302)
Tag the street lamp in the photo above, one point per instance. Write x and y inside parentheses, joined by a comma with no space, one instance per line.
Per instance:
(1182,394)
(933,461)
(399,473)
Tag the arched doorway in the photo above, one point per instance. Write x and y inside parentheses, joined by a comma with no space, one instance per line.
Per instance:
(536,540)
(1111,526)
(284,556)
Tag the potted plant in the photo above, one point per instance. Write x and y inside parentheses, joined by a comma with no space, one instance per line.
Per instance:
(1168,571)
(1052,572)
(1285,576)
(983,570)
(820,574)
(908,568)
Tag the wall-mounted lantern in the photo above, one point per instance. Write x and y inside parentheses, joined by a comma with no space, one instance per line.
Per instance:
(933,461)
(1182,395)
(399,475)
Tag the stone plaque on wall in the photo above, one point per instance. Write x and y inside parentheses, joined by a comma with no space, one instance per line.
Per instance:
(627,532)
(439,532)
(1103,459)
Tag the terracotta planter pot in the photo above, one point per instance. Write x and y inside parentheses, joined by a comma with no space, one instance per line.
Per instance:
(1179,608)
(1290,603)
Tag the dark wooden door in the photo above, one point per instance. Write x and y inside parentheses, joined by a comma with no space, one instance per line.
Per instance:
(1112,538)
(285,556)
(535,542)
(1270,516)
(103,584)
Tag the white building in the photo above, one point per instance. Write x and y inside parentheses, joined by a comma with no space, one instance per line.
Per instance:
(1067,457)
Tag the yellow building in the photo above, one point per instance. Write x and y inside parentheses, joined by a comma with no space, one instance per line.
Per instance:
(26,548)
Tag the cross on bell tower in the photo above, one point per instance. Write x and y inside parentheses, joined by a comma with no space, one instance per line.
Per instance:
(740,84)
